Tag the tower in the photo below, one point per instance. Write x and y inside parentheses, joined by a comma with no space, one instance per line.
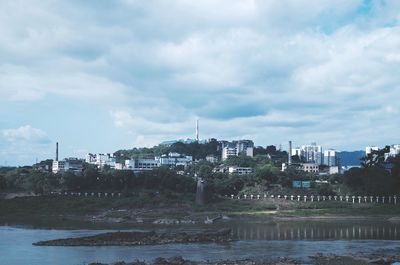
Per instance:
(197,130)
(290,153)
(56,151)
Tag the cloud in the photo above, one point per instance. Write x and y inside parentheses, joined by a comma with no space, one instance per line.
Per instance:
(266,70)
(23,145)
(26,134)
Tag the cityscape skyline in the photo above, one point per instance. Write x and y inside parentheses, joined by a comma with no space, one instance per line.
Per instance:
(98,77)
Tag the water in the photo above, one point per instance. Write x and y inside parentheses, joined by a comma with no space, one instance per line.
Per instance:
(257,240)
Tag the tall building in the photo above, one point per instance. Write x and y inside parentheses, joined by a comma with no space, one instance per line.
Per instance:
(369,149)
(312,153)
(309,153)
(331,158)
(236,148)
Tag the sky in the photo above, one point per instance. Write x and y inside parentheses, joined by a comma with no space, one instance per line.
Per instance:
(99,76)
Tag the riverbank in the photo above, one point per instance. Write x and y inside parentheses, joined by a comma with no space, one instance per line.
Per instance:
(73,212)
(317,259)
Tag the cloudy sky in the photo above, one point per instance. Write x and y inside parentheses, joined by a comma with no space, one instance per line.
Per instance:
(100,76)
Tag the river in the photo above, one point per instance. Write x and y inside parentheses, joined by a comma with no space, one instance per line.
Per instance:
(256,240)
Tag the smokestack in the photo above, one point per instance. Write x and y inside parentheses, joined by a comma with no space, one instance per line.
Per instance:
(57,151)
(197,130)
(290,153)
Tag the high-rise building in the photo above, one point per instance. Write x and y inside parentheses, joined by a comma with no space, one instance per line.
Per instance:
(236,148)
(309,153)
(312,153)
(369,149)
(331,158)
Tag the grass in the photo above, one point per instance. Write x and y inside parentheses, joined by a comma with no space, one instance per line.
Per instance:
(61,205)
(169,205)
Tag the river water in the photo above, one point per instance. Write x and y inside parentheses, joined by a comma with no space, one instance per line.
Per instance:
(256,240)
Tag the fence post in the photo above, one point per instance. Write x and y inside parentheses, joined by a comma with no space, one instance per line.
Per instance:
(353,197)
(395,199)
(312,198)
(359,199)
(341,198)
(305,198)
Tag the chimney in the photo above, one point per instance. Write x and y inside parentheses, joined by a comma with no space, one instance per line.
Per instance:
(290,153)
(197,130)
(56,151)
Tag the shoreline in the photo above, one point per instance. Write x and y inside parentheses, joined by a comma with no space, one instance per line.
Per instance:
(67,213)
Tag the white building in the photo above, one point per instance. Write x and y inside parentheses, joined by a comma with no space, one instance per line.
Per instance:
(212,158)
(174,159)
(309,153)
(69,164)
(331,158)
(141,164)
(101,160)
(310,167)
(334,170)
(393,152)
(369,149)
(312,153)
(296,152)
(240,170)
(236,148)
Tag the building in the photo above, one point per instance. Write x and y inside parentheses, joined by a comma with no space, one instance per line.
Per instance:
(393,151)
(312,153)
(139,165)
(174,159)
(297,152)
(69,164)
(309,153)
(310,167)
(236,148)
(369,149)
(334,170)
(101,160)
(331,158)
(212,158)
(240,170)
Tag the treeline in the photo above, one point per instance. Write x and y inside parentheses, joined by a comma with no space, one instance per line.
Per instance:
(91,179)
(375,177)
(196,150)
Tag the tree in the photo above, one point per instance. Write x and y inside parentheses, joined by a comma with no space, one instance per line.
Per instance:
(266,174)
(240,161)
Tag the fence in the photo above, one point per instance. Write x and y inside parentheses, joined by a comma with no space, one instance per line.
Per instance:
(319,198)
(88,194)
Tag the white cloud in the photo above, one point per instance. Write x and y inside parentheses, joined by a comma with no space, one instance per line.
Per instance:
(25,133)
(268,70)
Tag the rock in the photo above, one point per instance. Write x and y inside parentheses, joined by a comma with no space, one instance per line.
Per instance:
(141,238)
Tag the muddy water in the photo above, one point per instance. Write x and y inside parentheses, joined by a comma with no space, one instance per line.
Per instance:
(257,240)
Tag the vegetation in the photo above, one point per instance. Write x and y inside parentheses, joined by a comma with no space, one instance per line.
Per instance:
(92,179)
(374,178)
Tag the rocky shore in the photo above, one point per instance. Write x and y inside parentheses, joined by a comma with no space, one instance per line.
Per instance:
(318,259)
(142,238)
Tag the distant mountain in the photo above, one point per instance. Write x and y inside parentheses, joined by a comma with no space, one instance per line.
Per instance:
(351,158)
